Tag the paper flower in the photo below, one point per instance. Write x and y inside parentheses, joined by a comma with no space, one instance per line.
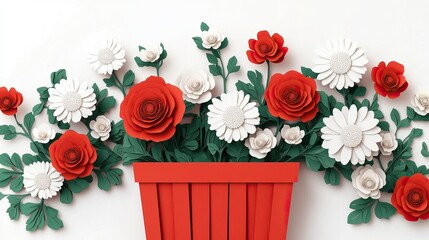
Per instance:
(71,100)
(151,53)
(196,86)
(152,109)
(410,197)
(100,128)
(351,135)
(292,135)
(42,180)
(233,117)
(341,64)
(368,181)
(106,56)
(73,155)
(260,143)
(420,102)
(389,80)
(43,133)
(292,97)
(388,143)
(212,38)
(10,101)
(266,48)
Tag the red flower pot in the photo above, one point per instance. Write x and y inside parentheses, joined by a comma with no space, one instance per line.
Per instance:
(216,201)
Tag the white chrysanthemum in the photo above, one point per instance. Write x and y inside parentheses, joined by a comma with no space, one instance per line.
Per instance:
(420,102)
(196,86)
(106,55)
(71,100)
(388,143)
(368,181)
(351,135)
(233,116)
(341,64)
(43,133)
(42,180)
(100,128)
(292,135)
(212,39)
(260,143)
(151,53)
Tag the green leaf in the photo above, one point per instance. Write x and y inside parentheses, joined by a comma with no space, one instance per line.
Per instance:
(181,156)
(156,151)
(16,161)
(215,70)
(313,138)
(238,152)
(312,163)
(332,177)
(404,123)
(66,195)
(57,76)
(2,196)
(359,216)
(110,82)
(410,113)
(36,213)
(212,58)
(103,183)
(384,126)
(416,132)
(213,148)
(43,92)
(394,115)
(38,108)
(198,41)
(114,176)
(129,78)
(14,206)
(8,132)
(79,184)
(16,184)
(424,151)
(52,219)
(106,104)
(5,160)
(359,91)
(232,65)
(204,26)
(224,44)
(29,121)
(117,133)
(384,210)
(29,159)
(361,203)
(191,145)
(308,72)
(189,106)
(62,125)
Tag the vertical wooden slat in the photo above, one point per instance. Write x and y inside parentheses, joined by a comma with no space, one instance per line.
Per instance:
(182,213)
(219,211)
(264,198)
(149,197)
(165,192)
(251,210)
(237,211)
(278,211)
(200,201)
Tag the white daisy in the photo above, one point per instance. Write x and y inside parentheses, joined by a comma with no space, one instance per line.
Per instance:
(106,55)
(42,180)
(233,116)
(351,135)
(341,64)
(71,100)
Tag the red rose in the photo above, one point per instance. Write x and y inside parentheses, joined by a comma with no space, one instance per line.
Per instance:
(73,155)
(389,80)
(411,197)
(9,101)
(152,109)
(292,96)
(266,48)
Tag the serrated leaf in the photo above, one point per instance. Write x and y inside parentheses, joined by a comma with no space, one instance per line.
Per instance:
(384,210)
(129,78)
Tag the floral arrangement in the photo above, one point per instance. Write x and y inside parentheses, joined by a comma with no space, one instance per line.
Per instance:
(280,117)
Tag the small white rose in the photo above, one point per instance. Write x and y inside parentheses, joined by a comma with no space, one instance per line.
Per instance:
(388,143)
(43,133)
(100,128)
(212,39)
(196,86)
(260,143)
(368,181)
(421,102)
(151,53)
(292,135)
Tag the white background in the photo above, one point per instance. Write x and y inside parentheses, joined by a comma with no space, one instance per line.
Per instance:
(38,37)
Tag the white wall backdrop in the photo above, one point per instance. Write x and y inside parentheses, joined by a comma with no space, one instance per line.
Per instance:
(38,37)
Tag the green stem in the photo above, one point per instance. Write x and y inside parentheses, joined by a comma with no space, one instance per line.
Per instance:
(268,74)
(224,77)
(158,69)
(379,163)
(119,85)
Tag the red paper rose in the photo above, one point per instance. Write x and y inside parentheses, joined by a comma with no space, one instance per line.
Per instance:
(9,101)
(411,197)
(389,80)
(152,109)
(266,48)
(292,96)
(73,155)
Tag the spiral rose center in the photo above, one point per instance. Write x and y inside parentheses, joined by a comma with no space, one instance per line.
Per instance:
(151,55)
(292,135)
(424,101)
(261,140)
(351,136)
(72,101)
(389,81)
(233,117)
(264,48)
(194,85)
(369,183)
(72,154)
(106,56)
(291,96)
(340,62)
(212,39)
(101,127)
(42,181)
(6,102)
(415,198)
